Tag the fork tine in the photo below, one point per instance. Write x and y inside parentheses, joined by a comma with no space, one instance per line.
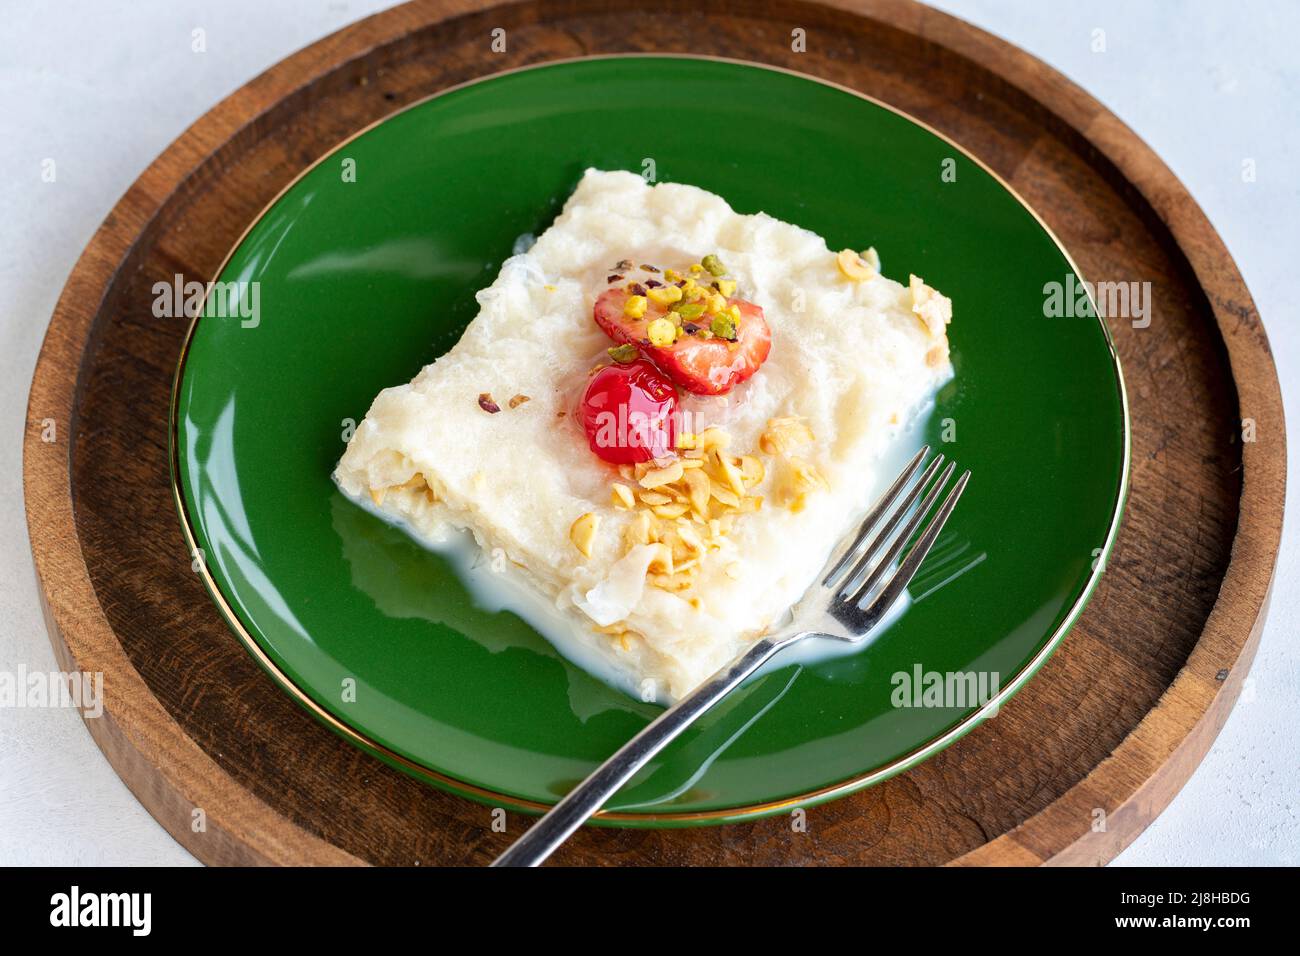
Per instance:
(877,511)
(855,577)
(907,570)
(855,550)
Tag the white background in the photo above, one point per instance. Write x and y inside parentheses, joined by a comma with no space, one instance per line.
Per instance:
(102,88)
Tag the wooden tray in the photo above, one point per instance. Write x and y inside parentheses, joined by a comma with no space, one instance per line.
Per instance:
(1071,770)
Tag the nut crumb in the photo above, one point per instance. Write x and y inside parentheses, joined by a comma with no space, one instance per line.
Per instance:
(518,400)
(583,532)
(486,403)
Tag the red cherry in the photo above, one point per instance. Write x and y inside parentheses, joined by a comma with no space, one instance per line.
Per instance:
(630,413)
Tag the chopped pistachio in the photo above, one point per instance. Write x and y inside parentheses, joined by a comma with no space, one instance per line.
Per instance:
(486,403)
(624,354)
(519,400)
(726,286)
(634,307)
(723,326)
(714,265)
(662,333)
(666,295)
(689,310)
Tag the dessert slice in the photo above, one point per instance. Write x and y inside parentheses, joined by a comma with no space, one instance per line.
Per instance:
(748,382)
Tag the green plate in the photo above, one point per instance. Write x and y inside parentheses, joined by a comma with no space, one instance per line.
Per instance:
(367,268)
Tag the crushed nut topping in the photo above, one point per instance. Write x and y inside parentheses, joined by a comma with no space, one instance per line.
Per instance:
(624,354)
(785,434)
(416,482)
(858,267)
(583,532)
(622,496)
(486,403)
(518,400)
(686,507)
(796,477)
(698,308)
(931,307)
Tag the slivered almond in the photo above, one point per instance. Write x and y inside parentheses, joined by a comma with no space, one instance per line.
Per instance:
(724,494)
(731,474)
(930,306)
(671,582)
(673,510)
(799,479)
(662,560)
(854,267)
(622,496)
(583,532)
(751,469)
(653,498)
(661,476)
(697,489)
(638,529)
(712,438)
(690,537)
(783,435)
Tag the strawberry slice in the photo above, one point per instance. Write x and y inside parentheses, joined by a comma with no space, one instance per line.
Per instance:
(705,366)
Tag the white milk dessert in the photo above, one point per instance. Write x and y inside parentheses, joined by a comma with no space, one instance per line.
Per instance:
(663,417)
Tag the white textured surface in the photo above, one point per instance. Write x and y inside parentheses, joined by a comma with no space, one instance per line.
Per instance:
(101,89)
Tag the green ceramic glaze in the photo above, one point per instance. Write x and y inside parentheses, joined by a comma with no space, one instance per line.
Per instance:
(362,283)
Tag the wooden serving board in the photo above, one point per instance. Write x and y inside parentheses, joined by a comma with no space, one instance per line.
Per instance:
(1073,768)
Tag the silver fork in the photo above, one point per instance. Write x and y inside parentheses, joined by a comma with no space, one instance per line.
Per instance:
(851,594)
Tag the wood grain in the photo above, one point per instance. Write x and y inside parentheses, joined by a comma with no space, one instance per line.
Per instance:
(1110,728)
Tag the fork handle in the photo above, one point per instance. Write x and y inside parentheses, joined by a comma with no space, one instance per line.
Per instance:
(589,796)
